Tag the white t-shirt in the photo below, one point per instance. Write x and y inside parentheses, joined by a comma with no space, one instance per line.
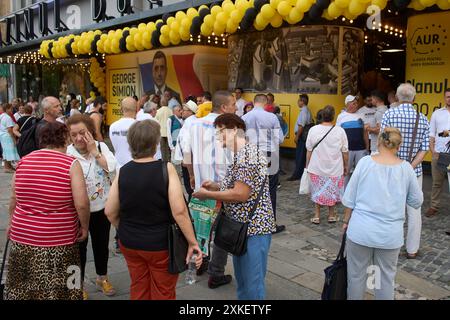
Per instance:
(17,116)
(240,104)
(326,159)
(367,114)
(440,121)
(118,136)
(380,110)
(181,140)
(97,180)
(144,116)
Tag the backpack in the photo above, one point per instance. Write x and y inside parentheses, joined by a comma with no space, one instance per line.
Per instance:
(27,142)
(305,131)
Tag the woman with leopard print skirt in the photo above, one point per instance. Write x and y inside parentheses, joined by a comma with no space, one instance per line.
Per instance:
(49,212)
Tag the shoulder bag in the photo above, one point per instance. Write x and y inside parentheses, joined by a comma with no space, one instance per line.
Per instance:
(304,181)
(178,245)
(2,285)
(335,286)
(411,148)
(231,235)
(443,161)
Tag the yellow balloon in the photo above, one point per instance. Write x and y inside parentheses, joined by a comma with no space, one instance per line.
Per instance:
(165,41)
(260,22)
(180,15)
(215,10)
(107,46)
(138,40)
(356,8)
(228,7)
(348,15)
(209,20)
(236,16)
(443,4)
(186,23)
(231,26)
(191,13)
(218,28)
(151,26)
(131,47)
(100,47)
(175,26)
(206,30)
(343,4)
(185,34)
(380,3)
(274,3)
(295,16)
(276,21)
(222,18)
(303,5)
(165,30)
(267,11)
(364,1)
(416,5)
(427,3)
(334,11)
(284,8)
(130,39)
(146,40)
(170,20)
(141,27)
(133,31)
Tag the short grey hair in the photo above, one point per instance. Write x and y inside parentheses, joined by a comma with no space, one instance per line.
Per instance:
(149,106)
(46,103)
(406,92)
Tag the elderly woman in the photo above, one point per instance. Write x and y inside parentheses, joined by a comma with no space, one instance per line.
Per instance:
(326,163)
(244,180)
(25,121)
(49,212)
(7,138)
(97,163)
(142,207)
(375,199)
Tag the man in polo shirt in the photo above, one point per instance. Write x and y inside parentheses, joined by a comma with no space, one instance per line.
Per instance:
(358,139)
(439,141)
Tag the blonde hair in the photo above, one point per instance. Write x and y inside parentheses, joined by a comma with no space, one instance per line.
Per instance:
(390,138)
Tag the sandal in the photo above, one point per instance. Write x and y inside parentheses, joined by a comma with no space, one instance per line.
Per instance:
(332,219)
(315,220)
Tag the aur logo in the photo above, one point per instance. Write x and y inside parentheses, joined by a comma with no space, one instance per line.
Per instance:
(429,39)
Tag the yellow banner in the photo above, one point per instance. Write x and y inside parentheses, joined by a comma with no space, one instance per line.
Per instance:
(428,60)
(123,83)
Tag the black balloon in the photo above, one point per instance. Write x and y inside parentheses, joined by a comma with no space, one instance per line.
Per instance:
(50,46)
(155,38)
(196,25)
(123,41)
(323,4)
(315,12)
(159,25)
(249,17)
(69,47)
(217,3)
(94,43)
(204,12)
(259,3)
(402,4)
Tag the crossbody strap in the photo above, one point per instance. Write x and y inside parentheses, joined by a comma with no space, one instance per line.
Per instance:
(322,139)
(416,127)
(4,260)
(26,121)
(258,198)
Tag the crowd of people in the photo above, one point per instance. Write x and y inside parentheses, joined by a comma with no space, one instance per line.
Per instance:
(218,146)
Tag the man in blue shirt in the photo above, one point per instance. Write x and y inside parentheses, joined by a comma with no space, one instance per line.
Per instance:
(304,122)
(264,130)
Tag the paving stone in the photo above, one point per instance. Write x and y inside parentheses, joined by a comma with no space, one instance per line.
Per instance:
(311,280)
(284,269)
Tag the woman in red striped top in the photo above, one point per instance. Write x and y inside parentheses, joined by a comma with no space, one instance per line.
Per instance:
(49,212)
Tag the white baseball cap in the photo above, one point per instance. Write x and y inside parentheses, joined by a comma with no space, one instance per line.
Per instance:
(349,99)
(191,105)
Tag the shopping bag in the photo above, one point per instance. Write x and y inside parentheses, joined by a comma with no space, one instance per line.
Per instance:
(335,286)
(304,183)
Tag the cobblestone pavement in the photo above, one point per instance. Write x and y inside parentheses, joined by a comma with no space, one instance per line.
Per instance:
(299,255)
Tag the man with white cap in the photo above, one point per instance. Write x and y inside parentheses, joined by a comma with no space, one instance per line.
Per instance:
(358,139)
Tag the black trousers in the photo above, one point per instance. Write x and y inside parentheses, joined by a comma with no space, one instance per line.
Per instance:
(273,187)
(99,227)
(186,181)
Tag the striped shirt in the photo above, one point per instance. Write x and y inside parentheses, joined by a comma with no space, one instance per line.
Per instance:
(403,118)
(45,214)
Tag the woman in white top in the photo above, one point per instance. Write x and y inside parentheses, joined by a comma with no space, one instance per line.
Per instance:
(326,163)
(7,138)
(98,163)
(375,199)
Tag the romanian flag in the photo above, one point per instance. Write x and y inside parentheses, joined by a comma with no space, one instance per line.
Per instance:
(181,76)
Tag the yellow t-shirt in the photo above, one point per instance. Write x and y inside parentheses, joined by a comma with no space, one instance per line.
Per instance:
(204,109)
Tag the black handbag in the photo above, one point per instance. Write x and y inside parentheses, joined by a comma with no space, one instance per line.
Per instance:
(444,159)
(231,235)
(335,286)
(178,245)
(2,285)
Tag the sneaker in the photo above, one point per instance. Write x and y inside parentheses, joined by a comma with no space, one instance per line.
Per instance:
(106,287)
(279,185)
(215,282)
(204,267)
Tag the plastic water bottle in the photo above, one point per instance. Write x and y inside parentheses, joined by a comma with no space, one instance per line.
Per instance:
(191,271)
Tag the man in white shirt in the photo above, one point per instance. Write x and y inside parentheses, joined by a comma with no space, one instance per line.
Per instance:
(240,102)
(439,140)
(147,112)
(264,130)
(118,132)
(206,159)
(373,127)
(367,113)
